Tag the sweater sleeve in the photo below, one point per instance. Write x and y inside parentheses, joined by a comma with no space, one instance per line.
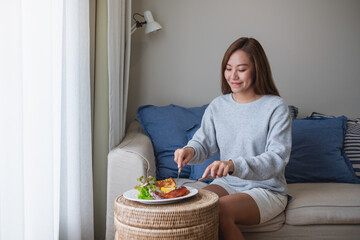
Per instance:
(277,151)
(204,139)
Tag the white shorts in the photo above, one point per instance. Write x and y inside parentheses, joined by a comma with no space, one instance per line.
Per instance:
(270,204)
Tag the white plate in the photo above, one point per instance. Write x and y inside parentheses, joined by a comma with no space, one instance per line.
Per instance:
(133,196)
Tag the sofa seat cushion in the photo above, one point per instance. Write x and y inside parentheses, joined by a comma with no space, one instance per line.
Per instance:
(190,183)
(269,226)
(323,203)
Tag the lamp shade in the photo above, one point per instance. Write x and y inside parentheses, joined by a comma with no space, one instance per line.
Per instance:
(151,25)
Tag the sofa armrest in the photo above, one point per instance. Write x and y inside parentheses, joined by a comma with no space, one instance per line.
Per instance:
(134,157)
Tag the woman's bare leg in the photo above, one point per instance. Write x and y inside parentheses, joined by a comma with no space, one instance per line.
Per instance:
(237,208)
(234,209)
(216,189)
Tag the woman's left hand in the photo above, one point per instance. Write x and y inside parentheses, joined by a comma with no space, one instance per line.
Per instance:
(219,169)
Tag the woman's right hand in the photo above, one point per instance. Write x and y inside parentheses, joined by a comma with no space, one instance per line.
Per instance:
(183,155)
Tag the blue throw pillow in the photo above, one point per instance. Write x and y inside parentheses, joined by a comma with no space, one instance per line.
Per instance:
(198,169)
(317,152)
(351,141)
(166,127)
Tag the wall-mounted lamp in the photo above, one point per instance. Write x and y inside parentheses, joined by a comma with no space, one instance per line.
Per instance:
(150,24)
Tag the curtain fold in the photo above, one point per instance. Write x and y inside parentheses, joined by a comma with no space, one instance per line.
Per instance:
(46,153)
(119,44)
(76,189)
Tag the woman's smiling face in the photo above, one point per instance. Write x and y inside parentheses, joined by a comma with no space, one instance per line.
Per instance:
(239,73)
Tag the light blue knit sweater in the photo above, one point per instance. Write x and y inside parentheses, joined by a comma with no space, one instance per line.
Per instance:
(256,136)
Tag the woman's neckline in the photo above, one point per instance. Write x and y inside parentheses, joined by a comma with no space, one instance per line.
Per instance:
(257,98)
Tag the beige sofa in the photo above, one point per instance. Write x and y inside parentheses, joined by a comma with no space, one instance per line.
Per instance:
(317,211)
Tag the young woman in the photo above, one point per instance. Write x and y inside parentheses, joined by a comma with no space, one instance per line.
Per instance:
(249,125)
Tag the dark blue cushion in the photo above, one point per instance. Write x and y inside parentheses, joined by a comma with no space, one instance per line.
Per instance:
(198,169)
(166,127)
(351,142)
(317,152)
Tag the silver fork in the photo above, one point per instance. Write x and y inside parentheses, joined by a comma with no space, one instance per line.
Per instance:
(177,179)
(194,181)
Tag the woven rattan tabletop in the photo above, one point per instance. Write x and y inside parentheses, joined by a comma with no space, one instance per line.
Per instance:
(197,215)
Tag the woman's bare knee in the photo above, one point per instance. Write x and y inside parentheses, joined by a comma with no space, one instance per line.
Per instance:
(239,207)
(220,191)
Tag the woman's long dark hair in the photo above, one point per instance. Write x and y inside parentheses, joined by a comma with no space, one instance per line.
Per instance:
(263,81)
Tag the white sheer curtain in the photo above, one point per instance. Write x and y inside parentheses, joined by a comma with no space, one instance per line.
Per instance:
(119,44)
(45,124)
(119,39)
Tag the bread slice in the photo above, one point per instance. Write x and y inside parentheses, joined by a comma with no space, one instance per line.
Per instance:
(166,185)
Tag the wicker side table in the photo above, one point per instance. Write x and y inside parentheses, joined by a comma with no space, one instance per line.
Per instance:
(194,218)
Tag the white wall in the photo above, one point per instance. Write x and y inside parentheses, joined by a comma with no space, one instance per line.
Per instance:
(313,47)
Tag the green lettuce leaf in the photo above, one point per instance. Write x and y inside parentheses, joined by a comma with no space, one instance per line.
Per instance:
(144,187)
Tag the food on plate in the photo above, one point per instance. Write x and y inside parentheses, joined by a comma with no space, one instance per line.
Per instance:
(166,185)
(146,187)
(182,191)
(162,189)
